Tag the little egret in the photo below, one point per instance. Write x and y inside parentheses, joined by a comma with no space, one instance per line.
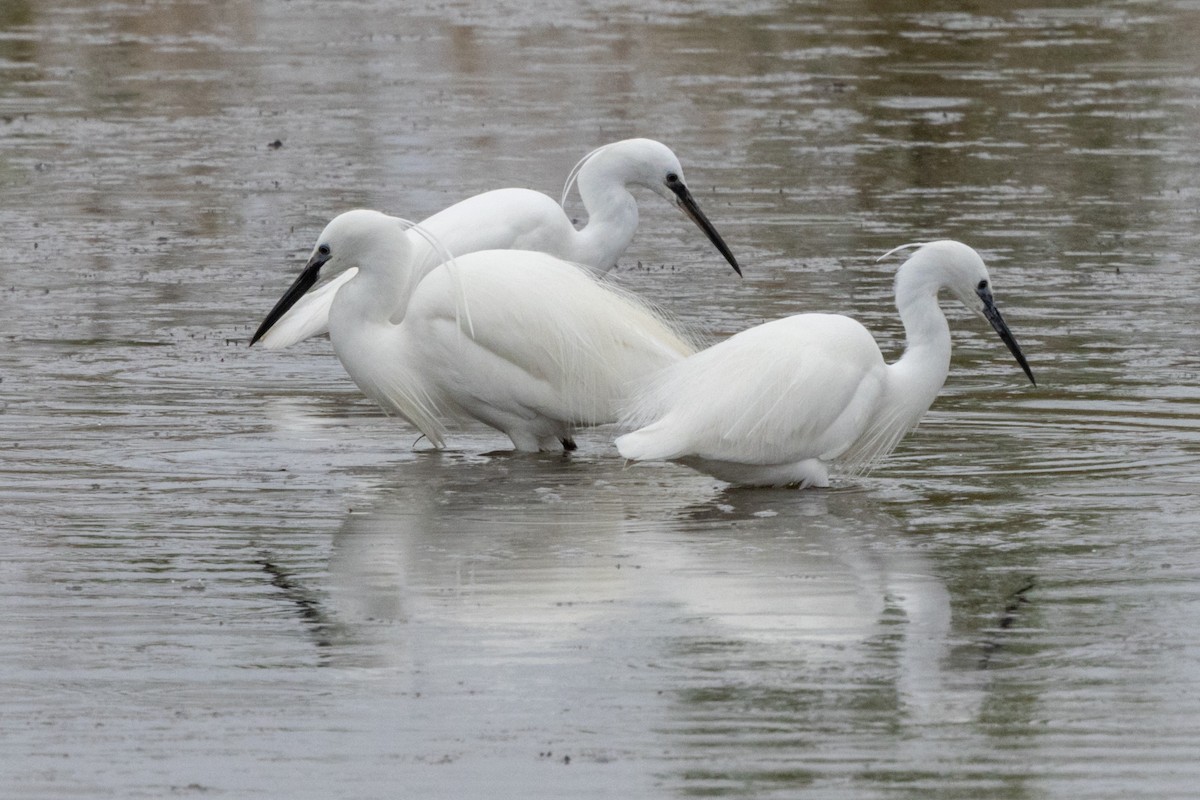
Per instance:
(775,404)
(522,341)
(522,219)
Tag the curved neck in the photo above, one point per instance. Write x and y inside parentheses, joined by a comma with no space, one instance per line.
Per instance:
(919,373)
(372,347)
(612,214)
(384,284)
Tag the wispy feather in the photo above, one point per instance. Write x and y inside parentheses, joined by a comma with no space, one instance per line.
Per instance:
(573,175)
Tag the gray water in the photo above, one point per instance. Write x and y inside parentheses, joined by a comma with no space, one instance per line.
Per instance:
(225,574)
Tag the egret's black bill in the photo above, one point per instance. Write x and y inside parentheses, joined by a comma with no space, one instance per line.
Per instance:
(297,290)
(1001,327)
(688,205)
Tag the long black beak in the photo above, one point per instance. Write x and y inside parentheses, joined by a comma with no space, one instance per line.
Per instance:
(1001,327)
(297,290)
(688,205)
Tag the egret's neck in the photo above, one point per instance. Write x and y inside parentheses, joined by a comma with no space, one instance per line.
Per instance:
(379,292)
(368,339)
(612,216)
(918,375)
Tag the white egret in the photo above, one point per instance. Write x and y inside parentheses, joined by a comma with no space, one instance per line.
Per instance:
(776,404)
(522,219)
(519,340)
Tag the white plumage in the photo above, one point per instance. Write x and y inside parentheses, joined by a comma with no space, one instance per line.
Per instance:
(522,219)
(779,403)
(522,341)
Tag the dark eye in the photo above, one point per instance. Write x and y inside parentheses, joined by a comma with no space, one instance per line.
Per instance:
(982,285)
(323,249)
(672,178)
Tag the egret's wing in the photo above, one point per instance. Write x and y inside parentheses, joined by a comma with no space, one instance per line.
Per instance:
(796,388)
(547,338)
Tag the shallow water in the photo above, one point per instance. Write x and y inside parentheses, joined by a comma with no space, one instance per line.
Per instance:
(225,574)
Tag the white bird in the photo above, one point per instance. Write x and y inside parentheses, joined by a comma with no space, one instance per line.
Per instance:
(522,219)
(522,341)
(777,404)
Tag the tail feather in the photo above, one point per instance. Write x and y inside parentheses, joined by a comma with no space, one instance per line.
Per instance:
(646,444)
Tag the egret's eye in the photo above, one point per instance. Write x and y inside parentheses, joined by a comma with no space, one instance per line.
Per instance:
(323,249)
(982,285)
(672,178)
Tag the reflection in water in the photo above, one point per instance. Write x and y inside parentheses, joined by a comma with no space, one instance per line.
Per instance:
(713,623)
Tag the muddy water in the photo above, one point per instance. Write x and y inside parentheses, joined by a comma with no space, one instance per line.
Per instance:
(224,574)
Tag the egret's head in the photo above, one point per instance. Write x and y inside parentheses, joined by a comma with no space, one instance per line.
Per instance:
(955,266)
(958,268)
(361,238)
(645,162)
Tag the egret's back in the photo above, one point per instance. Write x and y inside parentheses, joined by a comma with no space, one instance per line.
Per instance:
(503,219)
(521,333)
(791,389)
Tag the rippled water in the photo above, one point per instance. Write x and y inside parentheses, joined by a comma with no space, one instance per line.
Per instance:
(223,573)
